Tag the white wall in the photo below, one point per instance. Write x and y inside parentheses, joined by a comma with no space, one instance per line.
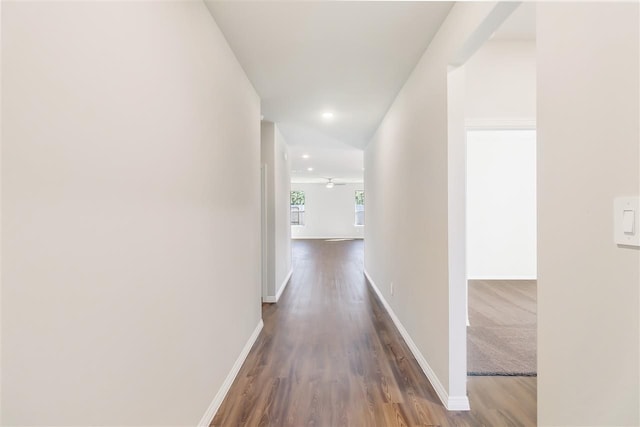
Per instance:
(501,84)
(275,156)
(407,159)
(329,212)
(501,193)
(283,211)
(588,148)
(501,204)
(130,212)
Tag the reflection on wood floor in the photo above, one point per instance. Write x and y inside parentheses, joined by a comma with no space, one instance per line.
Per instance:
(329,355)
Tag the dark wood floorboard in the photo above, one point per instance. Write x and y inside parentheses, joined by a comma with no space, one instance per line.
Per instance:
(329,355)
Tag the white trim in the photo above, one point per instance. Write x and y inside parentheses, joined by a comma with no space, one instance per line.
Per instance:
(458,403)
(326,237)
(272,299)
(322,181)
(503,278)
(452,403)
(284,284)
(500,123)
(456,235)
(207,418)
(264,217)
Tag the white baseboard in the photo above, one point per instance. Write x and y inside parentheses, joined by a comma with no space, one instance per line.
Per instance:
(326,237)
(452,403)
(207,418)
(285,282)
(458,403)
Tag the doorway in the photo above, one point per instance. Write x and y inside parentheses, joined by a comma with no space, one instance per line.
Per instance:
(501,252)
(491,86)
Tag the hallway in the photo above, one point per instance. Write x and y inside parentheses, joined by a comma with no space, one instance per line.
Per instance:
(330,355)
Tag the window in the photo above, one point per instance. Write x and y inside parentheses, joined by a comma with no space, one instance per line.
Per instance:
(359,207)
(297,208)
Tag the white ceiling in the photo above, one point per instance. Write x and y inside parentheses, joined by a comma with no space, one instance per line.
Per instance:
(305,58)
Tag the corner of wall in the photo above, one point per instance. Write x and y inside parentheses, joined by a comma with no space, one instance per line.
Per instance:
(211,411)
(452,403)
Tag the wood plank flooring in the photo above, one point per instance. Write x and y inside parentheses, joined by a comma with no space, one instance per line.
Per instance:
(502,302)
(502,336)
(329,355)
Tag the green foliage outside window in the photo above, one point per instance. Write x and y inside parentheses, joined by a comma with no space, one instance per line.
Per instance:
(297,198)
(360,197)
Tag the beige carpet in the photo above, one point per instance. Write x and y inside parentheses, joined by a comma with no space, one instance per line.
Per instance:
(502,337)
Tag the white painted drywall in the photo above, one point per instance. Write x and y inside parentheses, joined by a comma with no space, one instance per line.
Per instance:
(501,204)
(1,275)
(275,156)
(501,85)
(588,148)
(407,196)
(282,210)
(457,228)
(130,212)
(329,212)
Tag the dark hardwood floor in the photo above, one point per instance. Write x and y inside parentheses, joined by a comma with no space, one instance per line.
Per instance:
(329,355)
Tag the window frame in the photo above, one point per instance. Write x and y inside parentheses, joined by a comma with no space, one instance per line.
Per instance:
(301,208)
(357,211)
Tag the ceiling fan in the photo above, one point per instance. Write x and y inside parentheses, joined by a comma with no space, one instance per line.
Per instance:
(330,183)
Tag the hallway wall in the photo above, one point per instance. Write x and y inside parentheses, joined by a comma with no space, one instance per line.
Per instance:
(589,153)
(406,164)
(130,212)
(275,155)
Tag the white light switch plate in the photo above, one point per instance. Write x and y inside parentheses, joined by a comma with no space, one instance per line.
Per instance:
(620,219)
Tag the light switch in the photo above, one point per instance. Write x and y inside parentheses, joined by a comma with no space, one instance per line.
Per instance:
(628,221)
(626,216)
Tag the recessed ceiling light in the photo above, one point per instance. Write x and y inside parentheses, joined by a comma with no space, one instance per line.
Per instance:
(309,169)
(305,156)
(327,115)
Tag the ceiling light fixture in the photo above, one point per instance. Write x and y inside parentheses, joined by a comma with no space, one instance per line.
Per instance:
(329,184)
(305,156)
(310,169)
(327,115)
